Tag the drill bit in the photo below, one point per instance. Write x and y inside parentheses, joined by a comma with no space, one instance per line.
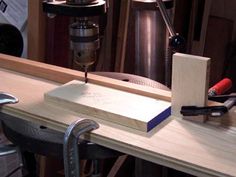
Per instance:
(85,74)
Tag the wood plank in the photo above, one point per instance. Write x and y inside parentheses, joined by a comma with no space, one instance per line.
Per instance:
(104,61)
(57,41)
(117,165)
(190,79)
(36,31)
(64,75)
(113,105)
(198,45)
(122,35)
(197,149)
(107,52)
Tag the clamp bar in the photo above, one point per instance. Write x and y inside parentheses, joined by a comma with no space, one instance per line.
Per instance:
(213,111)
(222,98)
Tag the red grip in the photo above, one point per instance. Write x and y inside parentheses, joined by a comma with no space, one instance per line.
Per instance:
(222,86)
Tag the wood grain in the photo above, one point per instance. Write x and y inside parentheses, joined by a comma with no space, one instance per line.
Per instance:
(122,35)
(127,109)
(190,79)
(198,149)
(36,31)
(64,75)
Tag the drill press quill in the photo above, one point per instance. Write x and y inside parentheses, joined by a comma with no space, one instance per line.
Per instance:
(84,34)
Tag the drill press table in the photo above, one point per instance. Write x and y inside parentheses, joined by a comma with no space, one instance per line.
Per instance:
(198,149)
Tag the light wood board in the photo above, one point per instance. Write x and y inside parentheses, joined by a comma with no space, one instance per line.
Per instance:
(190,79)
(197,149)
(64,75)
(127,109)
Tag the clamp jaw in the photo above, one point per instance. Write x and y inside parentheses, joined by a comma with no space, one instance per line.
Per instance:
(6,98)
(70,146)
(214,111)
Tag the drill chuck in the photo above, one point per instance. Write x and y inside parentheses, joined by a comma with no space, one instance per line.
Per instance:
(84,41)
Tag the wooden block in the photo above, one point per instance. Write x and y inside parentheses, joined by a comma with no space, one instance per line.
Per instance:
(127,109)
(190,79)
(36,31)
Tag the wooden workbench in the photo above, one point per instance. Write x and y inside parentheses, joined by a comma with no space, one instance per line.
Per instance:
(198,149)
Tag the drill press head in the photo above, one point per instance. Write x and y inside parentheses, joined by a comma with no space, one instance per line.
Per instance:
(84,34)
(84,37)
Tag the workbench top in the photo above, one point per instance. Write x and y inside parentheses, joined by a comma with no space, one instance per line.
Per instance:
(198,149)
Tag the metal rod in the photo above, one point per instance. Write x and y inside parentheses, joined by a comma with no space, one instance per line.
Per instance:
(166,18)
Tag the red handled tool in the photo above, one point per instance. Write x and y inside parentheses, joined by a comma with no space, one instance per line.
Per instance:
(220,87)
(214,94)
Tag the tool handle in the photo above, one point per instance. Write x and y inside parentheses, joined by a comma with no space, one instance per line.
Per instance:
(220,87)
(166,18)
(176,42)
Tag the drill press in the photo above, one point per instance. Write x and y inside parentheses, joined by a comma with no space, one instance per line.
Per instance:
(84,34)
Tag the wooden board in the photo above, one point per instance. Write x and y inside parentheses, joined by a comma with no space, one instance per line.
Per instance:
(122,35)
(64,75)
(127,109)
(198,149)
(36,30)
(190,79)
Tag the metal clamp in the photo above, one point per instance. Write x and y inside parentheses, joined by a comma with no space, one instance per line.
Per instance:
(70,146)
(6,98)
(213,111)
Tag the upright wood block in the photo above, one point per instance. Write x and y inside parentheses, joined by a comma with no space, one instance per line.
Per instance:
(190,79)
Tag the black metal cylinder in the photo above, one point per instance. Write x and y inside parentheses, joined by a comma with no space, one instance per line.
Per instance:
(11,40)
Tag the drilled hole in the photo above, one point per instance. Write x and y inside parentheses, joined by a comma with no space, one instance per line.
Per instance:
(126,80)
(43,127)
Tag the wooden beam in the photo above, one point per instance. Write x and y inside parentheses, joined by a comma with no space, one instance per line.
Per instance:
(64,75)
(122,35)
(36,30)
(199,45)
(115,168)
